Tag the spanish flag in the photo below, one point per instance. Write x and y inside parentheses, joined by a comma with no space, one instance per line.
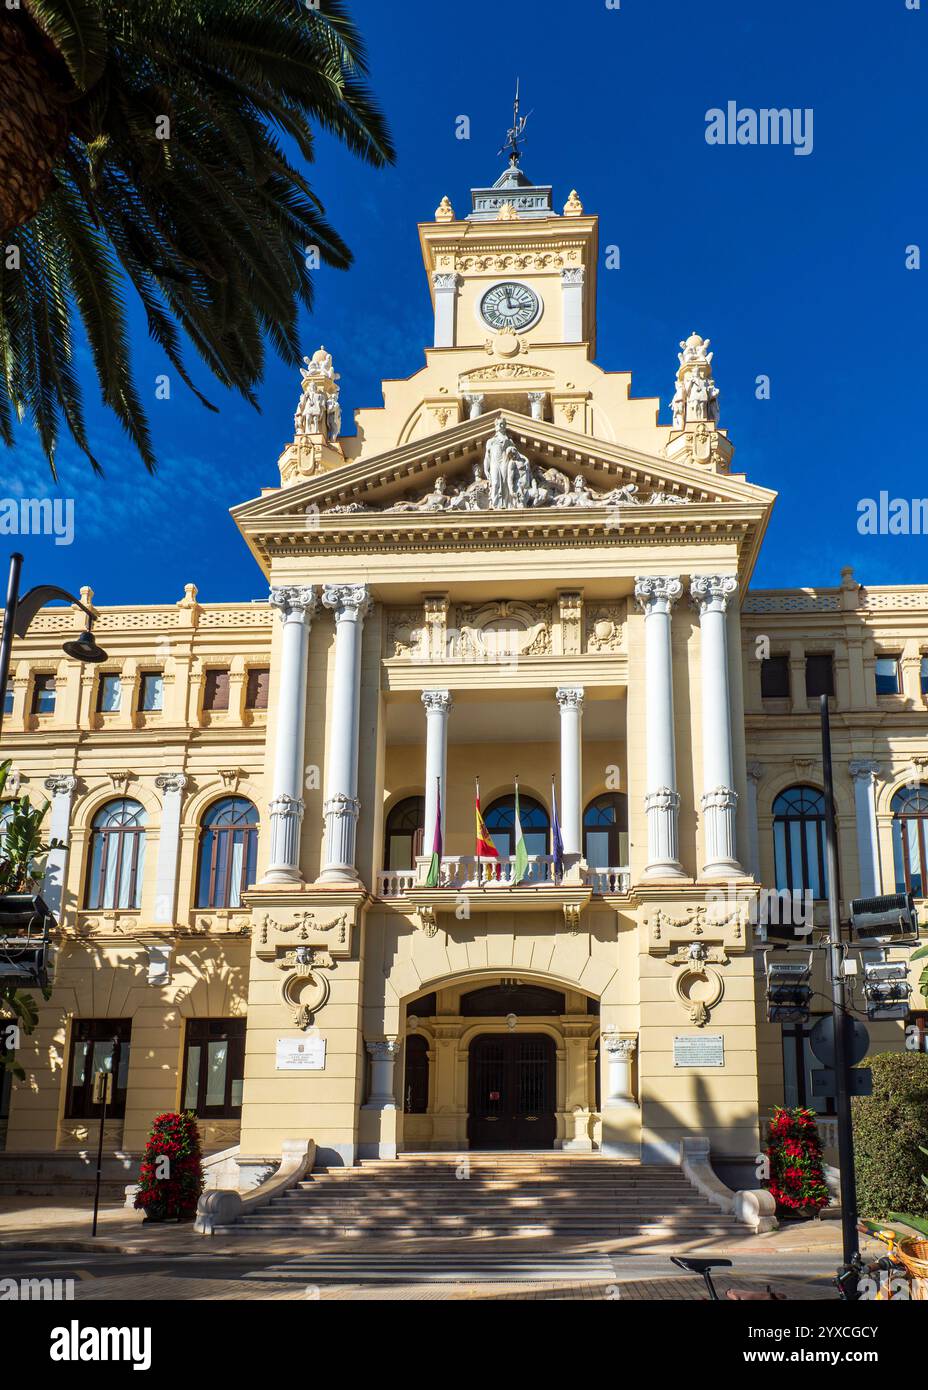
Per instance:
(485,846)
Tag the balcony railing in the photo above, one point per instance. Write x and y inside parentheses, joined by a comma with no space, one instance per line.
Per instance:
(461,871)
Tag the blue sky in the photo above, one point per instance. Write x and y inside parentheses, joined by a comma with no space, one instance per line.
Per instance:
(793,265)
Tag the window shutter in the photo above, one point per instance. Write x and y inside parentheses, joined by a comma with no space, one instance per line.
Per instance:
(216,690)
(259,679)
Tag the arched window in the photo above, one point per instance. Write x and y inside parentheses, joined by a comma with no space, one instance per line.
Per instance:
(117,854)
(605,831)
(500,821)
(799,841)
(228,852)
(6,815)
(404,833)
(910,829)
(416,1079)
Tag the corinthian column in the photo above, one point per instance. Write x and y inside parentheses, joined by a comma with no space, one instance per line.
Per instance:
(710,594)
(570,702)
(171,786)
(438,705)
(350,603)
(296,604)
(864,774)
(656,594)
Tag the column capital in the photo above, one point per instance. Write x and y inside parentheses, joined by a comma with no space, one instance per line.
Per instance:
(710,592)
(437,701)
(170,781)
(59,784)
(294,600)
(446,279)
(570,697)
(349,602)
(865,770)
(662,799)
(573,275)
(619,1046)
(657,593)
(382,1049)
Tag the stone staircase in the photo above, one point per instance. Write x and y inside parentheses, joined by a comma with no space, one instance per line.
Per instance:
(486,1196)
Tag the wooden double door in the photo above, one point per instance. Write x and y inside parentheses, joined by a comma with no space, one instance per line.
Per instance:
(511,1091)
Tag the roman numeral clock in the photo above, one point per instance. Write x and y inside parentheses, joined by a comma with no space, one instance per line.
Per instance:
(510,306)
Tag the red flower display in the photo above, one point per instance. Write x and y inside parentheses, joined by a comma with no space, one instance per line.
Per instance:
(171,1173)
(794,1157)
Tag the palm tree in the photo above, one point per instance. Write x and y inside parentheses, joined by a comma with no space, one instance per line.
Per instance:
(141,141)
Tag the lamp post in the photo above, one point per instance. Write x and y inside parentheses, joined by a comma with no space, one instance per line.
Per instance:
(19,613)
(851,1249)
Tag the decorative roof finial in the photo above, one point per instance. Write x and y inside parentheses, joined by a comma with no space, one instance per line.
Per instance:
(516,134)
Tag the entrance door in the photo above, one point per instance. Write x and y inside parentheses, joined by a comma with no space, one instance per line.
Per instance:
(511,1092)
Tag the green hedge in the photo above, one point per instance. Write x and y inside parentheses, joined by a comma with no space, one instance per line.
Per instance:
(889,1126)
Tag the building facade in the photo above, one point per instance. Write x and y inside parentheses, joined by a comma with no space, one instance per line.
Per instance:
(270,893)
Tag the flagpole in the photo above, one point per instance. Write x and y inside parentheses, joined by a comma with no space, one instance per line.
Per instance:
(477,783)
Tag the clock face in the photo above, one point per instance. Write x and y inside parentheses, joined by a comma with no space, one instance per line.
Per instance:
(510,305)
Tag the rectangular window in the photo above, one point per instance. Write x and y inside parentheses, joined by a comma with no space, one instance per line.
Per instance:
(774,678)
(887,675)
(924,675)
(92,1047)
(109,689)
(820,675)
(214,1067)
(259,679)
(151,692)
(216,690)
(8,700)
(43,695)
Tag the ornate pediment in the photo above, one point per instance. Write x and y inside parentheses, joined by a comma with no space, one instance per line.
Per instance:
(508,480)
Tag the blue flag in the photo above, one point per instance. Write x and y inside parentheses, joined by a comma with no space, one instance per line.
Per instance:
(557,841)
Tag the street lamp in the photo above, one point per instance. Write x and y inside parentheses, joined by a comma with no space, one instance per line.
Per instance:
(19,613)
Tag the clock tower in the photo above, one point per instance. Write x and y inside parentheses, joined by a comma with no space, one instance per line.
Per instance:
(513,275)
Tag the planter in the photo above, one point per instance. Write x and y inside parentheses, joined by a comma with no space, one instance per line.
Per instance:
(914,1255)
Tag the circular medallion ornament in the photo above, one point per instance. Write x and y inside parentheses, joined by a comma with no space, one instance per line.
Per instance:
(510,305)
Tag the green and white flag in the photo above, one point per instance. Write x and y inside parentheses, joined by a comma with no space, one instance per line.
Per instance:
(521,855)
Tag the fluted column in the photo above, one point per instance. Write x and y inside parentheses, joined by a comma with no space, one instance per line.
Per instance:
(350,603)
(438,705)
(171,786)
(56,865)
(570,702)
(656,594)
(296,604)
(710,594)
(864,774)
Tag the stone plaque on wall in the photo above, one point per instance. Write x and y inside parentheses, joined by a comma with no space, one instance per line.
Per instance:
(300,1054)
(699,1050)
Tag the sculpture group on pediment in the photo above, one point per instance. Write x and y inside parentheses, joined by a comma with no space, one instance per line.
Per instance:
(507,480)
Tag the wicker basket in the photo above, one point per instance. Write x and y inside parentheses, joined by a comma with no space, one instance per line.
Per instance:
(914,1255)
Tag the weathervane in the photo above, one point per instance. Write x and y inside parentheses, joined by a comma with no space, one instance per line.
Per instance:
(517,131)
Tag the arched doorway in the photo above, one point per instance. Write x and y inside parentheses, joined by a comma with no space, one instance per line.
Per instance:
(511,1091)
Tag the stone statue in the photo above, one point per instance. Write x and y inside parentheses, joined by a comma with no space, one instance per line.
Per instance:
(505,469)
(320,365)
(333,417)
(579,495)
(311,410)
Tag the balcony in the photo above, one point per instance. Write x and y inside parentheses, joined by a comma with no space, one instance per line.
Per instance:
(460,872)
